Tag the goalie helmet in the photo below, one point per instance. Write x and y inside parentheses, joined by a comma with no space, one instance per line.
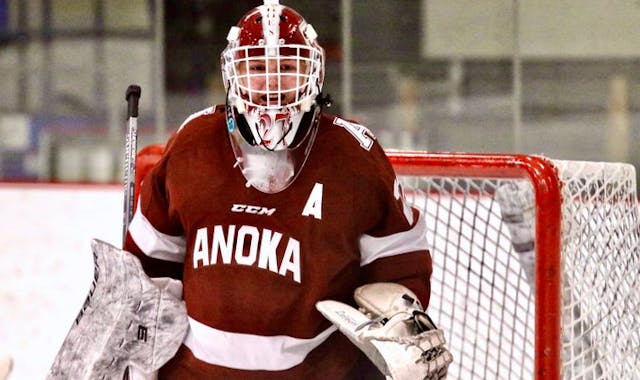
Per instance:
(273,71)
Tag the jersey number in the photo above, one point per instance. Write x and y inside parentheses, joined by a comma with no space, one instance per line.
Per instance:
(360,132)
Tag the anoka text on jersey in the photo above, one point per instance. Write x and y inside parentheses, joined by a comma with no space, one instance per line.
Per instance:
(247,245)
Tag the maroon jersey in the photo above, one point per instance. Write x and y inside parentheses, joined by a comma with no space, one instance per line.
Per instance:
(253,265)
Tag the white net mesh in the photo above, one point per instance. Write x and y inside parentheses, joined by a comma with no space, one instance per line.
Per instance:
(601,261)
(480,293)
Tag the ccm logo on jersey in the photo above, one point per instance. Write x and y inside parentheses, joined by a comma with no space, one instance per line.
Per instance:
(258,210)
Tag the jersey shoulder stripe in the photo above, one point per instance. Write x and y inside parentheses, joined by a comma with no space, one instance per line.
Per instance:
(193,116)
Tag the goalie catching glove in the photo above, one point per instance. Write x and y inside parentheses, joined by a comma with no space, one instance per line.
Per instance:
(394,332)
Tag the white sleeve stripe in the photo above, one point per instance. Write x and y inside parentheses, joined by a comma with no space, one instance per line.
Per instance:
(154,243)
(269,353)
(414,239)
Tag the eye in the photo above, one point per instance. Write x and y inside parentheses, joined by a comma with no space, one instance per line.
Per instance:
(257,67)
(288,67)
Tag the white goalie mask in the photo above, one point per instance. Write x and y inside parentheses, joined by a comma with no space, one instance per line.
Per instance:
(273,71)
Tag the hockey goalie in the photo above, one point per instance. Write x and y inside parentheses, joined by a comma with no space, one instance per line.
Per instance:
(268,205)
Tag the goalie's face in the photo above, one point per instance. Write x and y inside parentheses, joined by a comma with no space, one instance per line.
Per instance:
(272,83)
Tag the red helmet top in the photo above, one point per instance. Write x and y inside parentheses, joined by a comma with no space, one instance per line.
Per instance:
(262,23)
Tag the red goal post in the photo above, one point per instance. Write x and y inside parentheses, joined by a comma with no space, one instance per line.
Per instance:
(586,234)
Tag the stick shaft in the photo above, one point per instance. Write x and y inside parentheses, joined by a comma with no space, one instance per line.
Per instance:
(131,148)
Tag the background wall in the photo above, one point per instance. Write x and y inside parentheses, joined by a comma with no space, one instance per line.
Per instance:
(441,75)
(558,78)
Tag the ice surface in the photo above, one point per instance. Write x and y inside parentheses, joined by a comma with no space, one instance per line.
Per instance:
(46,265)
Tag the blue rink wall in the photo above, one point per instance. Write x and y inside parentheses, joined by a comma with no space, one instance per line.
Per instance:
(46,264)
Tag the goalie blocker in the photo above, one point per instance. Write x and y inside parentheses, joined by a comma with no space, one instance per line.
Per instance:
(127,319)
(394,332)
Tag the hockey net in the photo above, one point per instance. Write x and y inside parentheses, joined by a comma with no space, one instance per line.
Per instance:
(579,318)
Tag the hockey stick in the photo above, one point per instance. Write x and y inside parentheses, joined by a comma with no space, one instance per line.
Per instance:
(131,146)
(132,97)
